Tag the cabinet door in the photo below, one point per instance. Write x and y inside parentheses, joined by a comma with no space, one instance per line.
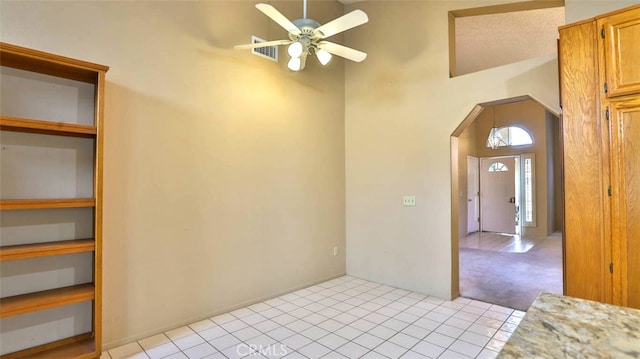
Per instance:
(622,51)
(587,252)
(625,173)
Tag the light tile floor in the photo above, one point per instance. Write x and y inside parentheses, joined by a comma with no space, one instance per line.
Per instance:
(343,318)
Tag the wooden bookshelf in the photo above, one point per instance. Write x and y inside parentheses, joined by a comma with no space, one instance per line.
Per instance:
(32,302)
(26,251)
(15,204)
(80,346)
(49,64)
(46,127)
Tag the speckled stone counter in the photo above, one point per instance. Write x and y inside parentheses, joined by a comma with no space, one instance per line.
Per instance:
(563,327)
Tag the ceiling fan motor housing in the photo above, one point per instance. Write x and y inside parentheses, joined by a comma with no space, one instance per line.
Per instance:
(307,35)
(310,24)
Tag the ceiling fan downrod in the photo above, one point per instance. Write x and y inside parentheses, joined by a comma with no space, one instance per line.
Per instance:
(304,9)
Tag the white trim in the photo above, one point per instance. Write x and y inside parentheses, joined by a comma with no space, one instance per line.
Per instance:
(532,222)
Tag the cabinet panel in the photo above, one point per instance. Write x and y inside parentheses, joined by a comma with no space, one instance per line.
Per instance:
(586,257)
(626,213)
(622,52)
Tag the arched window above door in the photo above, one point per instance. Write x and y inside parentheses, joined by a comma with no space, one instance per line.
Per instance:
(510,136)
(498,167)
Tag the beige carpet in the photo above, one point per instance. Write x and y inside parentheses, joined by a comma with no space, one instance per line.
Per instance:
(512,279)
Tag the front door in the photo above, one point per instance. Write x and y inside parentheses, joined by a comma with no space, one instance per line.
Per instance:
(498,194)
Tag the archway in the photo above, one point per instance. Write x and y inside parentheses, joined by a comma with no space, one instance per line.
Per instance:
(485,274)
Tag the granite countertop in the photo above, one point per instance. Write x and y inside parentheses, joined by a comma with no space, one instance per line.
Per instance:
(559,327)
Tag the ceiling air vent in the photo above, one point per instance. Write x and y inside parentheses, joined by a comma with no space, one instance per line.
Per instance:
(269,52)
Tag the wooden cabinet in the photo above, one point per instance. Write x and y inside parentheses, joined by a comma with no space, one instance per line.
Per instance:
(51,203)
(600,86)
(625,206)
(621,32)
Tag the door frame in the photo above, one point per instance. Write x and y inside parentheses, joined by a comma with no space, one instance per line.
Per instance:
(455,150)
(473,162)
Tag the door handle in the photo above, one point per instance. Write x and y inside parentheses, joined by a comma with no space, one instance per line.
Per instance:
(512,200)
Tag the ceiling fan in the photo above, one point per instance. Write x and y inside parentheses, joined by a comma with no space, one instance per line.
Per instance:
(307,36)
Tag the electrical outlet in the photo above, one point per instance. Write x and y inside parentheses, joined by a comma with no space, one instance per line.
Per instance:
(335,251)
(409,201)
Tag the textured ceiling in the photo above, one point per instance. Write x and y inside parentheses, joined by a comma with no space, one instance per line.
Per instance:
(487,41)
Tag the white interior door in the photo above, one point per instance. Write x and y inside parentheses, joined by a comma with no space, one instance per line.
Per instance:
(498,194)
(473,196)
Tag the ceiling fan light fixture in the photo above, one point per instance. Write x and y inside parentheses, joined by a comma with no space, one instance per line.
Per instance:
(323,56)
(295,49)
(295,64)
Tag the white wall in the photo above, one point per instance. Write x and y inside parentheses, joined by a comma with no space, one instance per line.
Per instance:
(577,10)
(224,172)
(401,108)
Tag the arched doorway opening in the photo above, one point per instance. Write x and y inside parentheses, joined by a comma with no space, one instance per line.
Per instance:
(506,227)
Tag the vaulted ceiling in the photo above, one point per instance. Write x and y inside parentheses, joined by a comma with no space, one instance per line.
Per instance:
(486,41)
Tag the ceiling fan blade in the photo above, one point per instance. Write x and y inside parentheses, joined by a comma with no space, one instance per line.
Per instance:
(276,16)
(345,22)
(263,44)
(342,51)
